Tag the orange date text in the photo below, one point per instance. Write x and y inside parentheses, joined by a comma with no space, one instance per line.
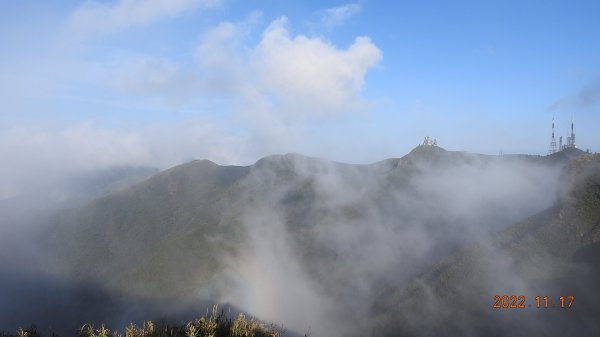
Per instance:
(540,302)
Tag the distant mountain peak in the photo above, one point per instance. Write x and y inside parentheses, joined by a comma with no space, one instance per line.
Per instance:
(427,149)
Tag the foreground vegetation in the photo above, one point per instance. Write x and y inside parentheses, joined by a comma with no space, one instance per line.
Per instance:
(217,324)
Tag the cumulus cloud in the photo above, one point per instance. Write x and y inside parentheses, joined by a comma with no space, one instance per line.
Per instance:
(337,16)
(94,18)
(271,86)
(295,75)
(311,73)
(278,84)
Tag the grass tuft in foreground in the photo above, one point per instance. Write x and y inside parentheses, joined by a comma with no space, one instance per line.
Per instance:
(217,324)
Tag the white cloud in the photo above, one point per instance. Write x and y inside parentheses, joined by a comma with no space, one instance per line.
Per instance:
(153,77)
(282,81)
(94,18)
(37,159)
(309,74)
(222,59)
(79,147)
(273,86)
(222,43)
(290,75)
(337,16)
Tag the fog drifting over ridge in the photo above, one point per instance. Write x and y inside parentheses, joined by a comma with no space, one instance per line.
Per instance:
(308,243)
(249,98)
(366,235)
(111,210)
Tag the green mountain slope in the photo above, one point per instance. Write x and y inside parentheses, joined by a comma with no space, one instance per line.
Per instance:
(142,236)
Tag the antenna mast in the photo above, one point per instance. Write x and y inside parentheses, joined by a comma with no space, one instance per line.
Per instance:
(573,145)
(571,136)
(552,148)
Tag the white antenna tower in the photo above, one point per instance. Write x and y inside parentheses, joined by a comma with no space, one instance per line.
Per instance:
(571,135)
(552,148)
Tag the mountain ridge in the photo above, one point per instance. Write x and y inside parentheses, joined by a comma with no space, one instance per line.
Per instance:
(196,227)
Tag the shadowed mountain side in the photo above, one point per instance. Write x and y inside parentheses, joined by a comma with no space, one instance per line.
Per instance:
(87,187)
(60,307)
(148,237)
(554,253)
(54,308)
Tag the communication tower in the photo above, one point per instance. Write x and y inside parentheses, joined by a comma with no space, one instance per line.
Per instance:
(571,138)
(552,148)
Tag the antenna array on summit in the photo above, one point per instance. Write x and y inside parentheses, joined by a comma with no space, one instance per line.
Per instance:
(570,139)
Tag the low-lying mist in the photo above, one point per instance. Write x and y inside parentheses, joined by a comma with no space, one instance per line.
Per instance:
(325,240)
(314,245)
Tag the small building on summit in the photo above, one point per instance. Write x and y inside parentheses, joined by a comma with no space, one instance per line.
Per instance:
(429,141)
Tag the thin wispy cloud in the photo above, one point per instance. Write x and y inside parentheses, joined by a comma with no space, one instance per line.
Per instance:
(95,18)
(157,78)
(338,16)
(587,96)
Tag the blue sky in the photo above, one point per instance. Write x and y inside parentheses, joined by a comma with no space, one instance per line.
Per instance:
(157,83)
